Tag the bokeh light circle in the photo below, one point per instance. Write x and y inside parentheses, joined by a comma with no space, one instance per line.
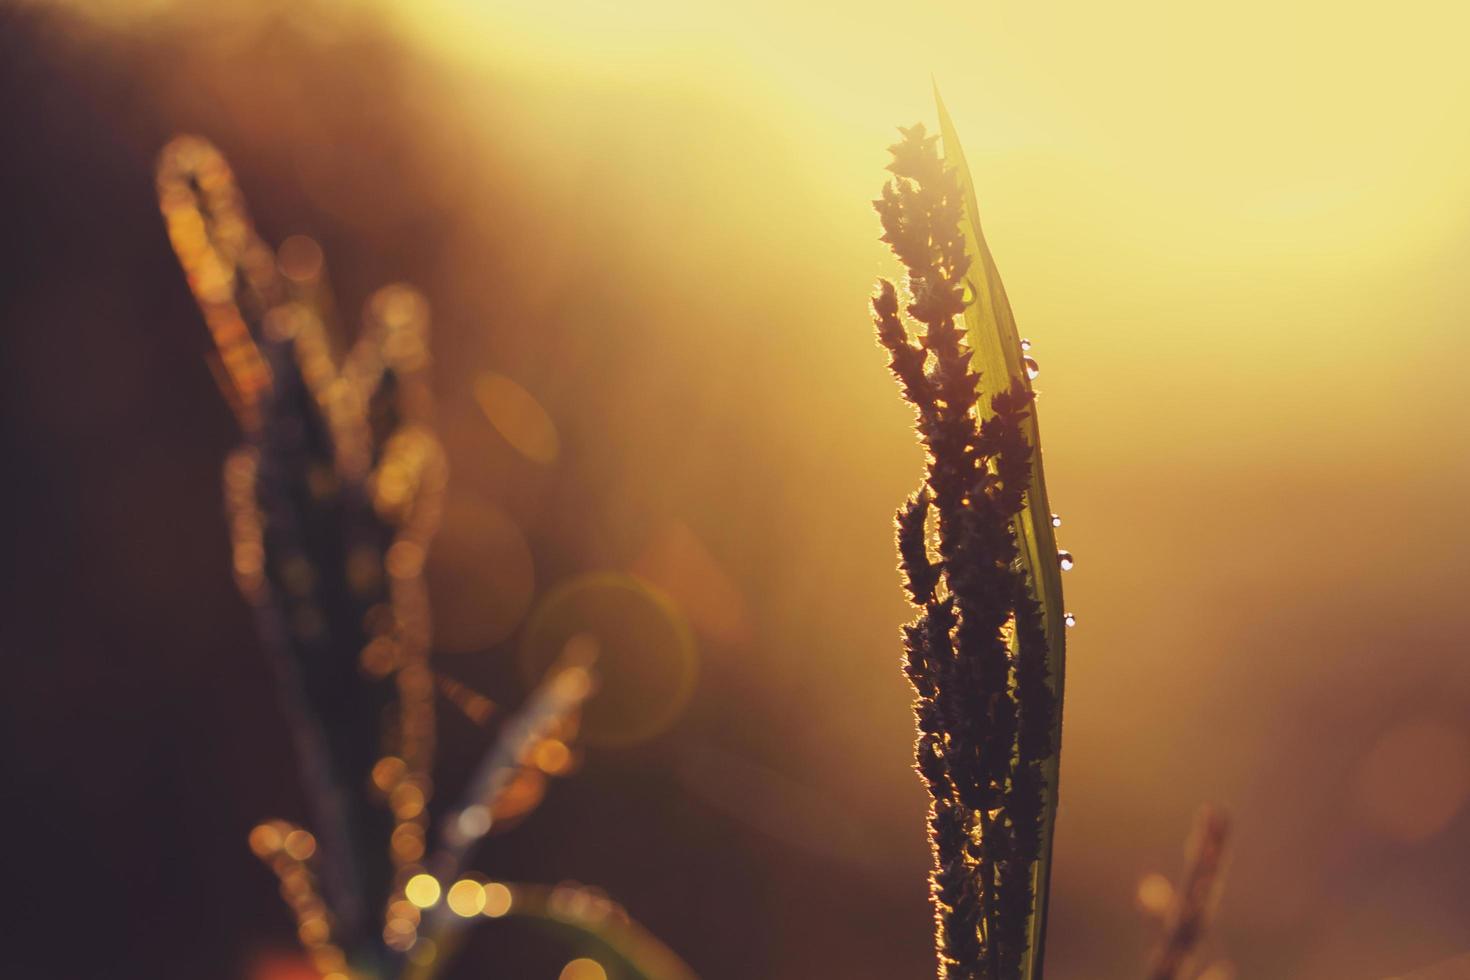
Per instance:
(1415,779)
(647,661)
(583,969)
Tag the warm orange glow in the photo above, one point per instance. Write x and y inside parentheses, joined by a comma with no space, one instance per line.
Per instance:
(583,969)
(388,771)
(552,756)
(466,898)
(522,796)
(1156,895)
(407,801)
(265,840)
(407,843)
(497,899)
(299,844)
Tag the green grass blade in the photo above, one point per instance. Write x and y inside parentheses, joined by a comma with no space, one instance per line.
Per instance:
(992,334)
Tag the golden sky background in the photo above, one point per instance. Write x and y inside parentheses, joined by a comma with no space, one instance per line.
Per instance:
(1236,237)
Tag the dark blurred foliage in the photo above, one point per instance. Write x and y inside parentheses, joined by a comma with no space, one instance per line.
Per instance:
(142,736)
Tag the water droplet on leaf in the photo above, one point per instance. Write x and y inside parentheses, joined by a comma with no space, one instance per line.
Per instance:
(1066,560)
(1056,520)
(1025,344)
(1032,368)
(1069,620)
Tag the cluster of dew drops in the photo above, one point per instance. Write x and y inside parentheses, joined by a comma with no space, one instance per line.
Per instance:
(1064,558)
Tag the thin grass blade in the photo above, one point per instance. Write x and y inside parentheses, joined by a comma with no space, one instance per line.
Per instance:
(993,338)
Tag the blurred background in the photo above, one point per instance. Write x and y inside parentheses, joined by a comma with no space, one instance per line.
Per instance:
(1236,236)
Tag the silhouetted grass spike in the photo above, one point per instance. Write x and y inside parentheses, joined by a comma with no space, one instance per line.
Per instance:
(976,656)
(920,574)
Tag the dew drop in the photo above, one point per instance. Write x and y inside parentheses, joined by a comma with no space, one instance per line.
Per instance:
(1066,560)
(1069,620)
(1025,344)
(1056,520)
(1032,368)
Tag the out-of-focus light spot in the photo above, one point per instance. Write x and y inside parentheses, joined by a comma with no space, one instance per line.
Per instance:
(405,559)
(387,773)
(379,656)
(678,562)
(583,969)
(518,417)
(295,886)
(497,899)
(313,931)
(299,844)
(407,842)
(300,259)
(265,840)
(1156,895)
(392,485)
(401,314)
(552,756)
(474,821)
(1414,780)
(406,801)
(522,796)
(422,890)
(399,306)
(400,932)
(466,898)
(405,910)
(646,660)
(480,573)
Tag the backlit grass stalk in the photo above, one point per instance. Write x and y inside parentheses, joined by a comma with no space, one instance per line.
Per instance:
(333,501)
(1195,899)
(977,656)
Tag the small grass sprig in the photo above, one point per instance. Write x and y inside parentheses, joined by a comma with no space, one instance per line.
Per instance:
(1192,903)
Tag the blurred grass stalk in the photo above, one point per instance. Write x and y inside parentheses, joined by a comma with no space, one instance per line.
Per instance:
(986,656)
(333,501)
(1193,902)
